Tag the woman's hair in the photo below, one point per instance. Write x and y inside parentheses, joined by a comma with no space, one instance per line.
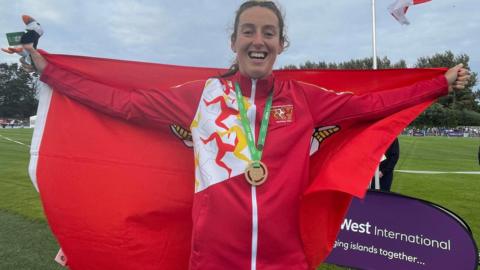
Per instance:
(256,3)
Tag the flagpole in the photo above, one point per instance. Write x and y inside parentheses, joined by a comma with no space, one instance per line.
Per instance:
(374,47)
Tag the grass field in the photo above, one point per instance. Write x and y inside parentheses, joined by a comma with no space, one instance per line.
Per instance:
(26,242)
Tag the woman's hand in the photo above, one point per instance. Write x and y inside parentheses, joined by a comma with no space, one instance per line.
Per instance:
(457,78)
(38,60)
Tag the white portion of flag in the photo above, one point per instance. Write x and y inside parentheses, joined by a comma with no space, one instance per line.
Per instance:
(399,8)
(61,258)
(44,97)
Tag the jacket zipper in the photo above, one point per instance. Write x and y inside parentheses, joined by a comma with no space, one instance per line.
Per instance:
(252,119)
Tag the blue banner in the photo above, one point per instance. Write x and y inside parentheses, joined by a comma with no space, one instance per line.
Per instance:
(396,232)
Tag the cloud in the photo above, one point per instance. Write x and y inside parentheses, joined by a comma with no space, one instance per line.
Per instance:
(131,23)
(51,11)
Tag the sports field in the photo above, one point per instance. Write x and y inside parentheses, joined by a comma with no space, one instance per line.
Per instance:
(26,242)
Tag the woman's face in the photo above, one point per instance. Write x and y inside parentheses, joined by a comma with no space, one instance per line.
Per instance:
(257,42)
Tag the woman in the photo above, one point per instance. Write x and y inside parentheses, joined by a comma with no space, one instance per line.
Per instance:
(245,180)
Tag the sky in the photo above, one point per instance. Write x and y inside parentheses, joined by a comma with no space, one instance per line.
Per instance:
(196,32)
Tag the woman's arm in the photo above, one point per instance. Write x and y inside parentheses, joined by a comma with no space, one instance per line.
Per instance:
(330,107)
(149,106)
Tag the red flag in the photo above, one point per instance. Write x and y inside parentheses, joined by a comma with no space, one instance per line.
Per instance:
(119,195)
(399,8)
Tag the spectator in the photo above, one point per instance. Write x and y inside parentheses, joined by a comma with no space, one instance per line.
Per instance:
(387,166)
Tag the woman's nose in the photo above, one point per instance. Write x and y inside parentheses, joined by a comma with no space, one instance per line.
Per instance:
(257,39)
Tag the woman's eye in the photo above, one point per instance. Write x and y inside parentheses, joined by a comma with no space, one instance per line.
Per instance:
(269,34)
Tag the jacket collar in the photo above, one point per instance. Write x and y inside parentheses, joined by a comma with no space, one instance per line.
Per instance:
(263,86)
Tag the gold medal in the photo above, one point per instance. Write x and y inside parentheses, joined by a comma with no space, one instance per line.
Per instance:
(256,173)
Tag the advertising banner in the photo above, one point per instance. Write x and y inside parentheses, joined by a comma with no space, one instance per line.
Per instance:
(391,231)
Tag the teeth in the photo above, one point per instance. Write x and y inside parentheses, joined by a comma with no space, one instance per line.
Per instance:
(258,55)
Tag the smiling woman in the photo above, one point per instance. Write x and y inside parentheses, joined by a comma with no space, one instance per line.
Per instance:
(257,42)
(258,37)
(252,135)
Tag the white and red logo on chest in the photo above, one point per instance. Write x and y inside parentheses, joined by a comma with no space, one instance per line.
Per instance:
(281,114)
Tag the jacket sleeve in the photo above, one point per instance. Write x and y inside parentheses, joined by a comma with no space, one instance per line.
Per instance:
(329,107)
(155,107)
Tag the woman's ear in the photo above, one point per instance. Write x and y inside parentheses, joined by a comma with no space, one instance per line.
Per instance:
(232,44)
(282,46)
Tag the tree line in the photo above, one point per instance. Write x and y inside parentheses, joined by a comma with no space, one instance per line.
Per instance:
(17,92)
(462,108)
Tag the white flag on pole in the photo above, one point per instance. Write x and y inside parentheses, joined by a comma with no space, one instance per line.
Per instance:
(399,8)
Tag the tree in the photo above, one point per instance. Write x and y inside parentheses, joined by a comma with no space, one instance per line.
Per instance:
(434,116)
(17,93)
(470,118)
(466,99)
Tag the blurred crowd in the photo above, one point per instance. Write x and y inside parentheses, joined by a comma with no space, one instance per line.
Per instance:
(443,131)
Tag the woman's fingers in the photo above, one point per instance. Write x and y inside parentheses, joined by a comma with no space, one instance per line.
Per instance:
(463,71)
(27,67)
(462,78)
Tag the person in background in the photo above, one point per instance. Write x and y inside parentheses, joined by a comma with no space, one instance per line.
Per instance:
(387,166)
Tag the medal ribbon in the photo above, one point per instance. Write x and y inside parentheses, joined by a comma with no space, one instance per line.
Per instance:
(255,151)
